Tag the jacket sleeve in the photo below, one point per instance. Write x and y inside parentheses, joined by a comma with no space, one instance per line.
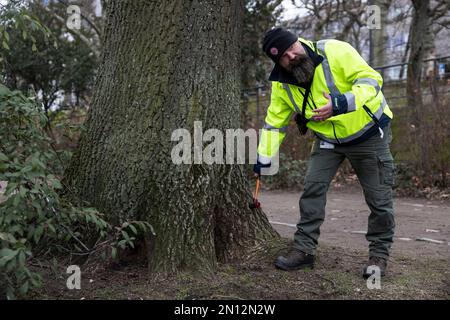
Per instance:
(366,82)
(276,123)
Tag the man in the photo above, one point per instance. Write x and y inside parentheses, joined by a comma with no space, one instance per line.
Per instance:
(337,95)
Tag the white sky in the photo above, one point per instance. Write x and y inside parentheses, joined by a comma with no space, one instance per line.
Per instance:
(290,11)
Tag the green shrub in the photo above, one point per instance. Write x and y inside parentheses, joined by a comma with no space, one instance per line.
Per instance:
(35,222)
(291,174)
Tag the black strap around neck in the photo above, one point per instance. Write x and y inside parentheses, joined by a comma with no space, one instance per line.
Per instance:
(305,100)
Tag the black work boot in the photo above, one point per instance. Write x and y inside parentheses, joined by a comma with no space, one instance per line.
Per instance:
(295,260)
(375,262)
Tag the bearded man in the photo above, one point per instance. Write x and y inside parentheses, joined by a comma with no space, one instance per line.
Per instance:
(337,95)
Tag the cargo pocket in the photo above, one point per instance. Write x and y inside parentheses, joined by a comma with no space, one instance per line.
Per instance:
(386,169)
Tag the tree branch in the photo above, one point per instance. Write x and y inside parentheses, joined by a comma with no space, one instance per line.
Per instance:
(88,20)
(76,33)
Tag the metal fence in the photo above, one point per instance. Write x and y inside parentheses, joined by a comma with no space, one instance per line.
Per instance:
(256,100)
(438,67)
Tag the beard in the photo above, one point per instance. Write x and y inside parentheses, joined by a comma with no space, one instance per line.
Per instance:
(303,69)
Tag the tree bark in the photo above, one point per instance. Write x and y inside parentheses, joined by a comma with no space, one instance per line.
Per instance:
(380,37)
(164,66)
(417,43)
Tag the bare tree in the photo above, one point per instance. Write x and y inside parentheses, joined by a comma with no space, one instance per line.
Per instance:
(92,37)
(418,43)
(379,37)
(338,19)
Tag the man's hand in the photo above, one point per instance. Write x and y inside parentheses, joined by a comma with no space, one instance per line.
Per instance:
(324,112)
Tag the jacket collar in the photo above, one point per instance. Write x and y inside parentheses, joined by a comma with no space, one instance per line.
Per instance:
(279,74)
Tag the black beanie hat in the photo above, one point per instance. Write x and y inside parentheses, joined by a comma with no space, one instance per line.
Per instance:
(276,42)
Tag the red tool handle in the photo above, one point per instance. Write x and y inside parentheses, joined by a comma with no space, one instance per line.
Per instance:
(255,195)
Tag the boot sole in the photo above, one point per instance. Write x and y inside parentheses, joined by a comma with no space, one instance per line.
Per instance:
(367,276)
(286,268)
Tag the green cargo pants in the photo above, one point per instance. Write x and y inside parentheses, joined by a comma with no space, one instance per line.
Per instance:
(373,164)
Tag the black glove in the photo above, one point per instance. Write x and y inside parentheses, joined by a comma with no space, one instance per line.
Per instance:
(257,167)
(301,123)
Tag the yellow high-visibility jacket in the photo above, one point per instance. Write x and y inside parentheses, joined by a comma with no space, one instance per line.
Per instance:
(342,72)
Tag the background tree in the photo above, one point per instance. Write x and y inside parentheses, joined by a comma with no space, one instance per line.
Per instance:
(338,19)
(418,43)
(50,65)
(154,78)
(90,32)
(429,17)
(259,16)
(379,37)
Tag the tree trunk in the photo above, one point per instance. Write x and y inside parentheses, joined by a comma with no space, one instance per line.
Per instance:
(405,58)
(417,42)
(164,66)
(380,36)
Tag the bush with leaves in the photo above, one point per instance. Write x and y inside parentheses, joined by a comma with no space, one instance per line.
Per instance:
(35,221)
(14,15)
(291,174)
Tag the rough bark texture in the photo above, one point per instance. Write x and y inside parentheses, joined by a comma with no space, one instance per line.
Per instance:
(380,37)
(165,65)
(417,41)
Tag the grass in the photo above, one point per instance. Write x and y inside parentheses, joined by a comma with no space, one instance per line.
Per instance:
(337,275)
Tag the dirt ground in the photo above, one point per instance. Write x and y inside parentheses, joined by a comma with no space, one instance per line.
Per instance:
(416,270)
(347,215)
(336,275)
